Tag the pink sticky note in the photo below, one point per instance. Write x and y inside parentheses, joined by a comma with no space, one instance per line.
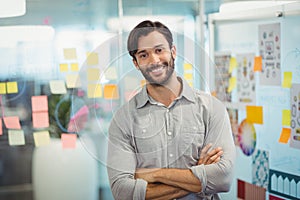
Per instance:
(12,122)
(40,120)
(39,103)
(68,140)
(1,127)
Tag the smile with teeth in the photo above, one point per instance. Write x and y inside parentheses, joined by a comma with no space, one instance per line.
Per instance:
(157,69)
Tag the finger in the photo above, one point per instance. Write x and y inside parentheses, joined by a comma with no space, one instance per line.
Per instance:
(205,149)
(215,158)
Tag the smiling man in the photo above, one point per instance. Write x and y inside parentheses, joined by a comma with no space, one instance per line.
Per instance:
(160,141)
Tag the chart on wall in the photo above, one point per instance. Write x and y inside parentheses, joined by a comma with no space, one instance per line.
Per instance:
(269,49)
(295,116)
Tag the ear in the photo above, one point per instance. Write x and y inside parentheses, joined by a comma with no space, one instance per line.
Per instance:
(135,64)
(173,51)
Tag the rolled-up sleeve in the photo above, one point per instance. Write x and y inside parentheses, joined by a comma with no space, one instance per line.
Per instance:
(121,164)
(217,177)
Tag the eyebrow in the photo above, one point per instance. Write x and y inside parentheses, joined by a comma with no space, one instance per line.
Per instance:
(143,50)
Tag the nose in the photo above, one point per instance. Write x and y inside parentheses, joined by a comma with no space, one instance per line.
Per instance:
(154,58)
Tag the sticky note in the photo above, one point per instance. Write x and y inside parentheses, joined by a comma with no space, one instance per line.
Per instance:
(257,63)
(188,76)
(12,122)
(254,114)
(63,67)
(12,87)
(232,84)
(94,91)
(187,67)
(16,137)
(92,58)
(287,79)
(73,81)
(70,53)
(111,91)
(40,119)
(285,135)
(1,131)
(93,74)
(191,83)
(232,64)
(74,67)
(111,73)
(41,138)
(68,140)
(58,87)
(39,103)
(286,117)
(2,88)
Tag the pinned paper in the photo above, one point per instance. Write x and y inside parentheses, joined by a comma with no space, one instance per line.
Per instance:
(92,58)
(285,135)
(16,137)
(40,119)
(74,67)
(68,140)
(94,91)
(12,87)
(1,132)
(12,122)
(232,64)
(287,79)
(257,63)
(41,138)
(111,73)
(111,91)
(232,84)
(58,87)
(73,81)
(93,74)
(254,114)
(2,88)
(187,67)
(63,67)
(286,117)
(39,103)
(188,76)
(70,54)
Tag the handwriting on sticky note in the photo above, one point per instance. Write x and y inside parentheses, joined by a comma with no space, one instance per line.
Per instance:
(12,122)
(111,91)
(257,63)
(286,117)
(68,140)
(287,79)
(285,135)
(39,103)
(12,87)
(73,81)
(41,138)
(94,90)
(16,137)
(58,87)
(70,53)
(254,114)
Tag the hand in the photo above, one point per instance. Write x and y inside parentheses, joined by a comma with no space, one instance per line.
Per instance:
(146,174)
(209,157)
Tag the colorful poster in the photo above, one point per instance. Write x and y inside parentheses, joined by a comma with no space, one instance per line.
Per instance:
(245,78)
(269,49)
(260,168)
(295,116)
(222,76)
(247,137)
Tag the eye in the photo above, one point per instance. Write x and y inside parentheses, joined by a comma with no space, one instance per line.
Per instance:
(158,50)
(143,56)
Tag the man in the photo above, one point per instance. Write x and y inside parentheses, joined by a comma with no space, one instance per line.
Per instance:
(159,141)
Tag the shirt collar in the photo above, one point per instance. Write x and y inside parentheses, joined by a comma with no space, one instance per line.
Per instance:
(187,92)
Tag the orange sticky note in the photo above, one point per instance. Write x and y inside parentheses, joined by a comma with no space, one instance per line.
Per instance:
(92,58)
(1,132)
(287,79)
(12,122)
(39,103)
(254,114)
(40,120)
(16,137)
(12,87)
(257,63)
(41,138)
(285,135)
(232,64)
(70,53)
(111,91)
(286,117)
(94,91)
(74,67)
(68,140)
(143,82)
(63,67)
(2,88)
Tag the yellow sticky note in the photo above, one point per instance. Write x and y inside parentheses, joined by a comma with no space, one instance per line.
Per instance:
(58,87)
(111,73)
(41,138)
(187,67)
(12,122)
(12,87)
(93,74)
(74,67)
(70,53)
(73,81)
(63,67)
(232,64)
(191,84)
(188,76)
(287,79)
(92,58)
(254,114)
(232,84)
(40,119)
(285,135)
(94,91)
(286,117)
(68,140)
(16,137)
(2,88)
(111,91)
(257,63)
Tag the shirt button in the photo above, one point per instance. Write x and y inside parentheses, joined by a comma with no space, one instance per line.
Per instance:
(171,155)
(169,133)
(168,110)
(144,130)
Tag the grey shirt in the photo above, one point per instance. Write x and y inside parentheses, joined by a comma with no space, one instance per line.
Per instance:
(146,134)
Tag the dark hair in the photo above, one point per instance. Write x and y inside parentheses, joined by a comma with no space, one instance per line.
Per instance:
(143,29)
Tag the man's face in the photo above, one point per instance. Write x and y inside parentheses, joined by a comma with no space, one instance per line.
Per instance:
(154,58)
